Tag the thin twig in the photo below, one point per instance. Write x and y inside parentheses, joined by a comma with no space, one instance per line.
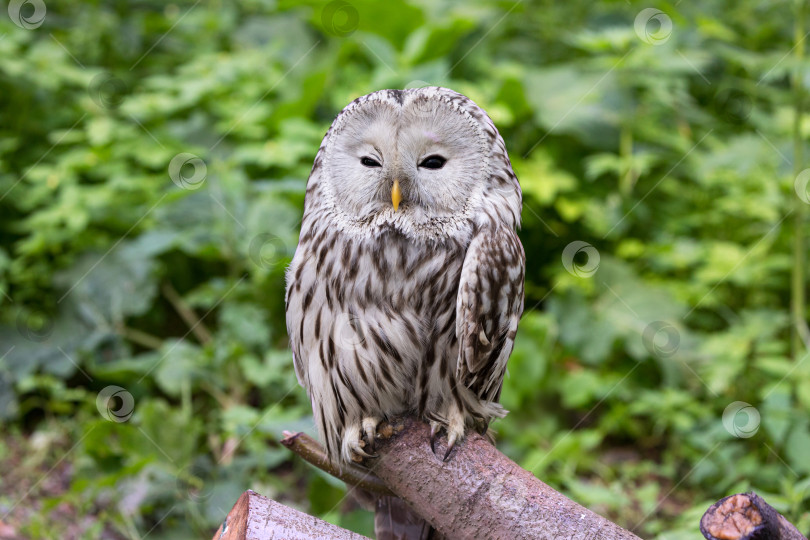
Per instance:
(188,315)
(310,451)
(141,338)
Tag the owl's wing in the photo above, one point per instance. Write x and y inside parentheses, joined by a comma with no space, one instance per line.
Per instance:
(488,308)
(295,312)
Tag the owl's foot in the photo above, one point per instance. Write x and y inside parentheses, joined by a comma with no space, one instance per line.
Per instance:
(454,426)
(353,445)
(370,424)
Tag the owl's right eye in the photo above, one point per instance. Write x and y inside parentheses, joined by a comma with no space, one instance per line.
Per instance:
(368,162)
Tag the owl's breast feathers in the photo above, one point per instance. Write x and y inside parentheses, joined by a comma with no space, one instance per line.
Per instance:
(393,290)
(376,324)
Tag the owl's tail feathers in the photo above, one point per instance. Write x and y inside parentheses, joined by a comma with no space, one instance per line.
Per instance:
(394,520)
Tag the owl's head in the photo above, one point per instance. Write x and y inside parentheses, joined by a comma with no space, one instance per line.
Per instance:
(423,160)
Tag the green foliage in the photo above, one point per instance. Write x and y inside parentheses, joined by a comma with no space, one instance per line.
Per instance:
(121,265)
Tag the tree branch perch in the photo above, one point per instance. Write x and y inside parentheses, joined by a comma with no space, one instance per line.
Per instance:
(477,493)
(480,493)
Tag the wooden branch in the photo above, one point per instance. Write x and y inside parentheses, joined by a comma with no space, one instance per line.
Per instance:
(254,517)
(477,493)
(746,516)
(312,452)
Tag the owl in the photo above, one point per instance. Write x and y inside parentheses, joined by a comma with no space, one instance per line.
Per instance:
(406,287)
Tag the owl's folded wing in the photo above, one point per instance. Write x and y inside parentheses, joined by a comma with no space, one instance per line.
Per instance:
(488,308)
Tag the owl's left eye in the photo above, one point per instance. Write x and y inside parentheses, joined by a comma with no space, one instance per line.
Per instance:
(433,162)
(368,162)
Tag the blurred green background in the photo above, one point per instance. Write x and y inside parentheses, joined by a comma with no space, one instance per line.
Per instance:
(153,161)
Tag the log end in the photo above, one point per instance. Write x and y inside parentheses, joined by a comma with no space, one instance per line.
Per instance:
(733,518)
(233,528)
(746,516)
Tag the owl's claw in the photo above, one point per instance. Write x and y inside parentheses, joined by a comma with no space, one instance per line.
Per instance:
(353,445)
(370,430)
(454,427)
(434,434)
(357,449)
(452,437)
(366,455)
(451,443)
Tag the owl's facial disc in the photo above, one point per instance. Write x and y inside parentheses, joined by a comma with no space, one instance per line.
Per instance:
(422,160)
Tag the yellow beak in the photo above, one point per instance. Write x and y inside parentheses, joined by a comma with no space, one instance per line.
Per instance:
(396,195)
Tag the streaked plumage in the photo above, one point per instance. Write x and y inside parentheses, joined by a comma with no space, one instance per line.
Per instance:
(415,309)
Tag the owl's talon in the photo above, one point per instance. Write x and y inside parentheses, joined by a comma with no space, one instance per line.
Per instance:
(357,449)
(451,443)
(434,434)
(353,445)
(370,430)
(455,429)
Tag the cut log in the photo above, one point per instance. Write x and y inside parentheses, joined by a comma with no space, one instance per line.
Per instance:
(255,517)
(746,516)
